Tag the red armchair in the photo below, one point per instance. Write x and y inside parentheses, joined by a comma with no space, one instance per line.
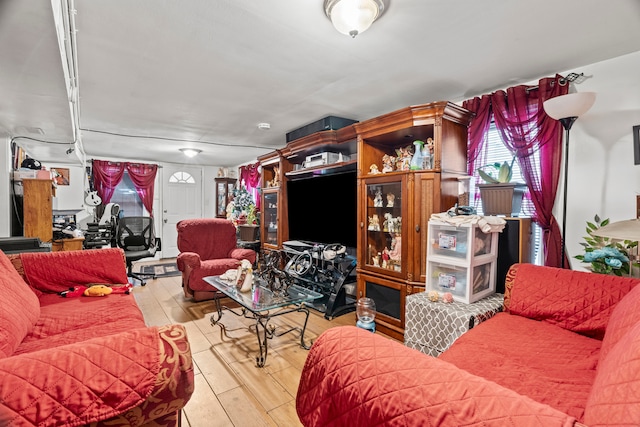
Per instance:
(208,247)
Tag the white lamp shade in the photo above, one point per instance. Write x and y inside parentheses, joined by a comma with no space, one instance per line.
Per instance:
(190,152)
(352,17)
(570,105)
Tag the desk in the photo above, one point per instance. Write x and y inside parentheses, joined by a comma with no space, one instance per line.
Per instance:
(431,327)
(261,305)
(74,244)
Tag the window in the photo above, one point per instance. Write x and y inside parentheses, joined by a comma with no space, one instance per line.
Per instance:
(181,178)
(496,151)
(127,197)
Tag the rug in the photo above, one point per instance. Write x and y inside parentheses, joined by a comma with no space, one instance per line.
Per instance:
(161,270)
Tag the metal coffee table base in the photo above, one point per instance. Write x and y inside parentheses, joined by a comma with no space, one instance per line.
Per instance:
(264,331)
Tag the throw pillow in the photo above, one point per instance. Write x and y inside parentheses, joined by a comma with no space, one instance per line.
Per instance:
(615,397)
(19,308)
(624,315)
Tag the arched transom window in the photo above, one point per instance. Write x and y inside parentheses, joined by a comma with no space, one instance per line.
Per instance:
(182,178)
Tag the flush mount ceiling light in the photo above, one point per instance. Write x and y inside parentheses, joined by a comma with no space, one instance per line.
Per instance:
(352,17)
(190,152)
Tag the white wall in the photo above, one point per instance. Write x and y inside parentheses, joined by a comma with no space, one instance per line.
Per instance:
(603,179)
(5,182)
(71,197)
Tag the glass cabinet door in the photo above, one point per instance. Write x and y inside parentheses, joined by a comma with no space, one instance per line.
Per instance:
(384,248)
(221,204)
(270,218)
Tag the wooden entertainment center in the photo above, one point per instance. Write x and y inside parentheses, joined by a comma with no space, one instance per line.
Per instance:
(416,194)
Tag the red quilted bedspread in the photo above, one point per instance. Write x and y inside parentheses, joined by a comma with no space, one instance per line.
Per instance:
(355,378)
(549,364)
(56,272)
(91,359)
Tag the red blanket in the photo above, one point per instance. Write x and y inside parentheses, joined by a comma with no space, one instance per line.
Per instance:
(355,378)
(79,383)
(549,364)
(58,271)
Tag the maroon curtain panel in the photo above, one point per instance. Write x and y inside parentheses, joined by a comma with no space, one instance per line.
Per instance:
(106,177)
(478,131)
(143,177)
(250,175)
(526,129)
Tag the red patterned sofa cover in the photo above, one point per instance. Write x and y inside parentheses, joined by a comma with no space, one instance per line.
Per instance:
(84,361)
(565,352)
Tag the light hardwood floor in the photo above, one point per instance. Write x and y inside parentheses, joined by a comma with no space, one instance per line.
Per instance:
(230,390)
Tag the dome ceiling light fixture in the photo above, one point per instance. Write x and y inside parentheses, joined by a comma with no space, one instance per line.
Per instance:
(190,152)
(352,17)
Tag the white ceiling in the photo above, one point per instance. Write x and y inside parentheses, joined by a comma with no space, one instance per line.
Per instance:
(158,75)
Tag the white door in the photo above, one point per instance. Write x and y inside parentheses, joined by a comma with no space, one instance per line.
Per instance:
(181,199)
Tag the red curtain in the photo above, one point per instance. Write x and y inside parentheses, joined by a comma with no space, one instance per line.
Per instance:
(250,175)
(107,175)
(526,129)
(143,177)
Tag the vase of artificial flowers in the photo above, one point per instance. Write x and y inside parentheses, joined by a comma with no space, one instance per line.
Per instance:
(605,255)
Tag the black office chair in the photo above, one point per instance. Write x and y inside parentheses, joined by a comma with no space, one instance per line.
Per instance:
(136,237)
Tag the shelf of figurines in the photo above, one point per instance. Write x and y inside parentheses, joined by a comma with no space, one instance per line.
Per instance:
(385,240)
(416,158)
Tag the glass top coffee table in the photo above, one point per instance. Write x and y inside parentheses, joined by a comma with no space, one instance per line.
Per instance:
(262,304)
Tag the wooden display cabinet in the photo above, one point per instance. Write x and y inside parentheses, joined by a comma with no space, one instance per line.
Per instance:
(224,194)
(423,192)
(286,164)
(273,230)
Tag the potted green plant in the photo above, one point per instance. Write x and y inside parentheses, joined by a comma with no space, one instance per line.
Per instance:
(499,195)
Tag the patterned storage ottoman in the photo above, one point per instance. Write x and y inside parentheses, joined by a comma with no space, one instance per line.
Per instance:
(431,327)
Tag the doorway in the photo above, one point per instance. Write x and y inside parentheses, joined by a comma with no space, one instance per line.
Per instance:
(181,199)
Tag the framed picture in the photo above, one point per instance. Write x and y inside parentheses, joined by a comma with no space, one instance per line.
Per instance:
(60,175)
(636,144)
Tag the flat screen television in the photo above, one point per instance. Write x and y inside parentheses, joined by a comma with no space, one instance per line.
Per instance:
(323,209)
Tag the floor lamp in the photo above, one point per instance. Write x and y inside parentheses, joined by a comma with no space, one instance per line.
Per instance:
(566,109)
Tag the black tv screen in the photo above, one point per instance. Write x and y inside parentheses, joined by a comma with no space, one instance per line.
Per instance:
(323,209)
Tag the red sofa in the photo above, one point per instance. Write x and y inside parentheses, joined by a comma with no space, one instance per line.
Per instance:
(84,360)
(566,351)
(208,247)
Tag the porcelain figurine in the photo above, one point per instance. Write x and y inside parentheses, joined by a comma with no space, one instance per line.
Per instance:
(396,248)
(390,199)
(245,276)
(374,223)
(387,163)
(377,201)
(376,260)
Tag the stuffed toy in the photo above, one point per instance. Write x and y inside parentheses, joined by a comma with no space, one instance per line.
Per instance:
(96,290)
